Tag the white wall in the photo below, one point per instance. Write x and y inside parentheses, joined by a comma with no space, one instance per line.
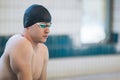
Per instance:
(11,15)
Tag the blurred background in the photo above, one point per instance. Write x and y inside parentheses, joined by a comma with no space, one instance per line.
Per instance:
(84,43)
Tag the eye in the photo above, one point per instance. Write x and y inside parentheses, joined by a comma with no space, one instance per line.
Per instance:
(42,25)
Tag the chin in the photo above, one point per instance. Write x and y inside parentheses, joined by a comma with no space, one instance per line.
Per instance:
(42,41)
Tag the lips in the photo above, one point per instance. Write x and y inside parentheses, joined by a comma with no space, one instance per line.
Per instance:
(45,36)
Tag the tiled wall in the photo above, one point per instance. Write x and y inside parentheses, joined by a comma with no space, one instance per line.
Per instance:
(116,21)
(11,14)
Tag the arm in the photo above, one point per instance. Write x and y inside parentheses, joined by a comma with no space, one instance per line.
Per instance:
(44,73)
(46,58)
(20,61)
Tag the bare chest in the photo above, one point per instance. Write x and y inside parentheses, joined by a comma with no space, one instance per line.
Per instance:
(37,64)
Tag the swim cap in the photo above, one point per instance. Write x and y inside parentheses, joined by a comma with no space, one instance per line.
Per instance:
(36,13)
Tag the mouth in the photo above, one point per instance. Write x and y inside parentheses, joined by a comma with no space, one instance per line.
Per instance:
(45,36)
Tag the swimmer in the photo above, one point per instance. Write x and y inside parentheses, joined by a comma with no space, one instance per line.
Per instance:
(26,56)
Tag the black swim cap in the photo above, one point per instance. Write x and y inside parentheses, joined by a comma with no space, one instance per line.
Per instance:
(36,13)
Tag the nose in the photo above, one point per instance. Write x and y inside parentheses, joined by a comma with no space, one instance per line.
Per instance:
(47,30)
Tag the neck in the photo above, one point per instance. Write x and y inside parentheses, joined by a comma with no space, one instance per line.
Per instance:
(29,38)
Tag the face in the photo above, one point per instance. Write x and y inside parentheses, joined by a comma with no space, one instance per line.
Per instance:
(40,31)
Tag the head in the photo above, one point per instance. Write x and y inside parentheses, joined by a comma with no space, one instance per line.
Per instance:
(37,21)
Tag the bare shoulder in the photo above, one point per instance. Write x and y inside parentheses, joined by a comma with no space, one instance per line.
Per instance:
(17,43)
(20,53)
